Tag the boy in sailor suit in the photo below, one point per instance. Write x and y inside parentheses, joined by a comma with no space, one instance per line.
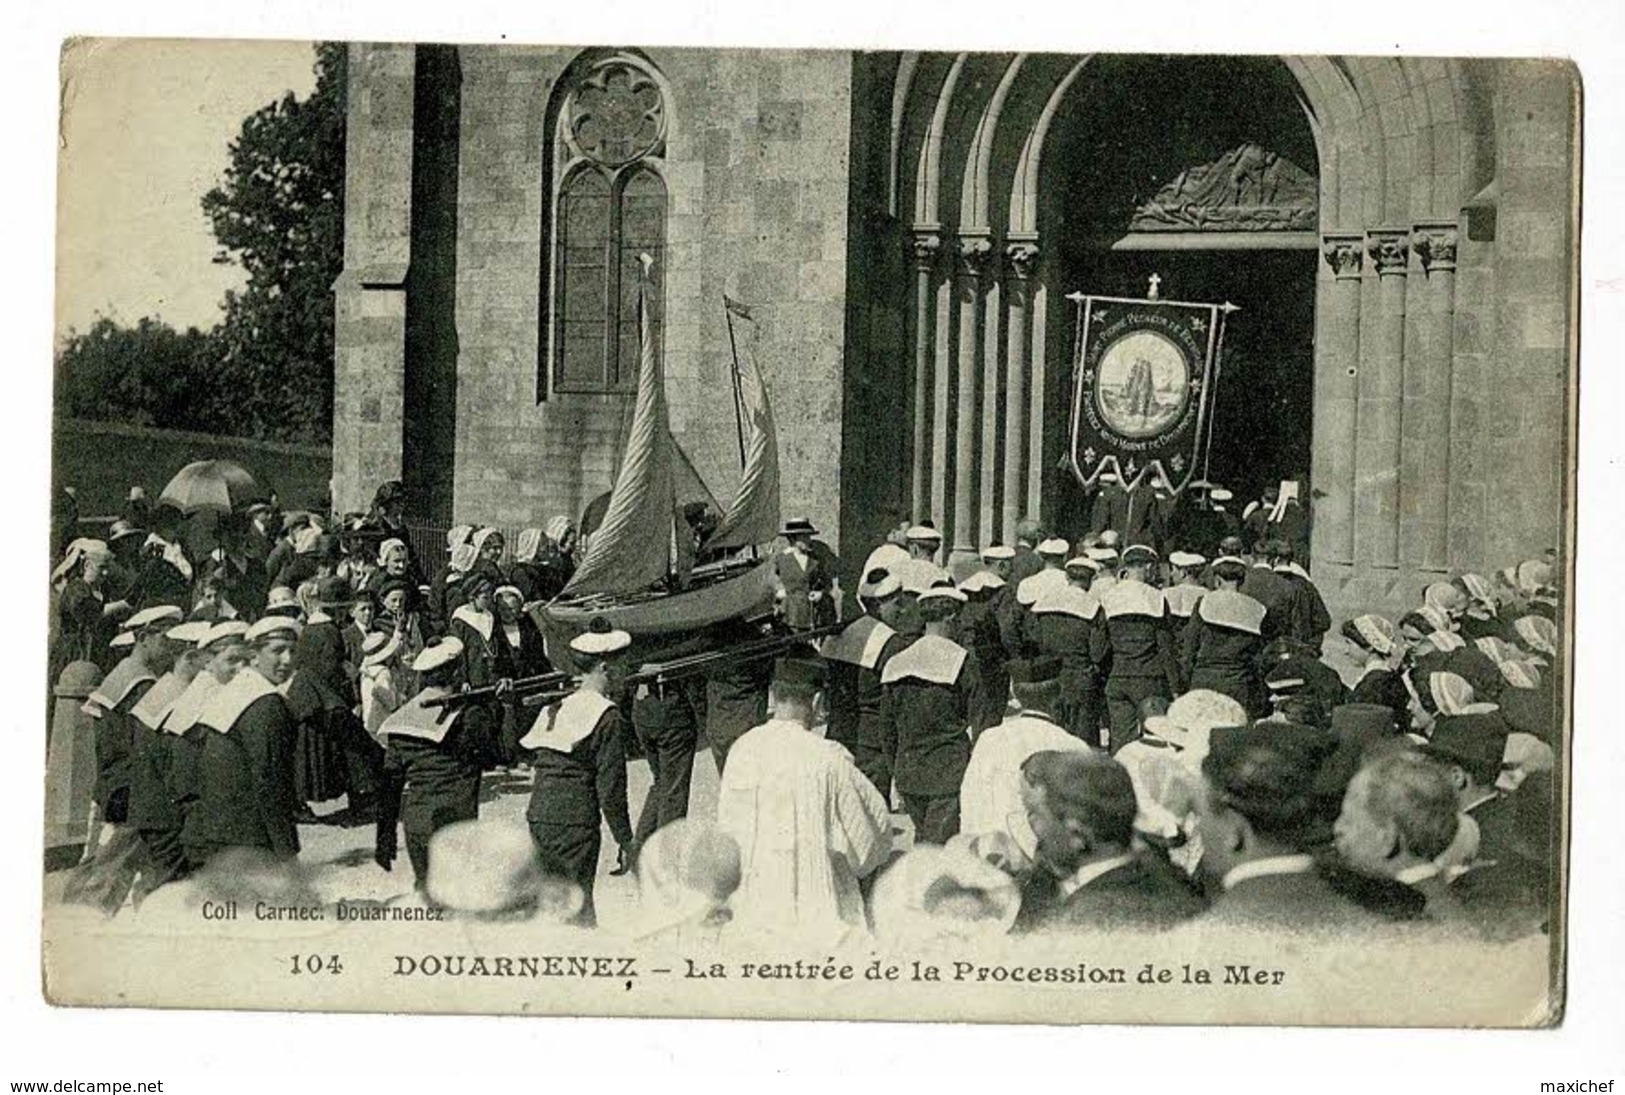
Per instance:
(245,783)
(432,762)
(1144,662)
(926,712)
(857,657)
(154,811)
(580,762)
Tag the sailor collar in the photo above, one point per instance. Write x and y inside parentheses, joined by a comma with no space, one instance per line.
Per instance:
(860,644)
(483,622)
(183,713)
(563,725)
(226,706)
(1034,586)
(152,707)
(116,687)
(1237,611)
(1132,597)
(1183,598)
(1067,601)
(414,719)
(931,658)
(1293,569)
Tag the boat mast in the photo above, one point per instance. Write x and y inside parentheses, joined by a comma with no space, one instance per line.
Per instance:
(728,306)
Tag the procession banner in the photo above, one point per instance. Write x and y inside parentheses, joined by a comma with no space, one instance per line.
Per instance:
(1143,384)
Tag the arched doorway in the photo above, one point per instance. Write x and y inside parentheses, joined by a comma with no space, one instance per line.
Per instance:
(1204,172)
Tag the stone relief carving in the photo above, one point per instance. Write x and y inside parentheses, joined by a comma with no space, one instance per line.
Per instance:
(1248,189)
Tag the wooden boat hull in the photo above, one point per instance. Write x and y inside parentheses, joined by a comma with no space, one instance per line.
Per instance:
(734,593)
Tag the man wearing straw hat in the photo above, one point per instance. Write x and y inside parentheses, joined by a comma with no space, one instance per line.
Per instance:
(805,578)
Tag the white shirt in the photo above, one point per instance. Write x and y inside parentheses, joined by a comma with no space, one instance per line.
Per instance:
(1091,871)
(1269,865)
(991,789)
(809,826)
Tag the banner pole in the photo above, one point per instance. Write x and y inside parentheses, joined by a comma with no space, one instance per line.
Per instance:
(1224,311)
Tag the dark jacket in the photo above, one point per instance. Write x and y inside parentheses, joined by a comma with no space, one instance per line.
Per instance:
(115,757)
(245,785)
(576,787)
(431,784)
(929,719)
(1225,660)
(1303,901)
(322,653)
(1147,893)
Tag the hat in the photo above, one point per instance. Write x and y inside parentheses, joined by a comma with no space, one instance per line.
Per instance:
(1449,692)
(1101,555)
(438,654)
(1083,562)
(980,582)
(225,629)
(885,557)
(802,674)
(1377,633)
(463,558)
(935,894)
(1139,554)
(390,546)
(1198,484)
(1539,633)
(1040,670)
(457,536)
(1267,772)
(1478,588)
(1534,575)
(1446,641)
(918,575)
(1219,494)
(192,632)
(798,526)
(122,529)
(600,639)
(1497,649)
(528,544)
(924,534)
(1108,477)
(1284,679)
(157,614)
(281,597)
(122,639)
(997,552)
(1054,546)
(558,528)
(273,627)
(1521,674)
(1444,597)
(1476,742)
(687,870)
(334,592)
(943,593)
(483,866)
(511,591)
(377,648)
(1186,559)
(879,584)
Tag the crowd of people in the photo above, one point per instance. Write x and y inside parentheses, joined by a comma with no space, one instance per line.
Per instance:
(1136,731)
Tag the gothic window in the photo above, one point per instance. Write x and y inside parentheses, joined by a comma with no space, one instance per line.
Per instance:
(609,206)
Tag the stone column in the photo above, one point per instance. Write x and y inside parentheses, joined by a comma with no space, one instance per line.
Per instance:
(926,244)
(1380,407)
(973,255)
(1037,391)
(1427,402)
(1020,257)
(1337,372)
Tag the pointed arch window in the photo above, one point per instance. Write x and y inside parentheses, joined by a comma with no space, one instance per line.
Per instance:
(609,206)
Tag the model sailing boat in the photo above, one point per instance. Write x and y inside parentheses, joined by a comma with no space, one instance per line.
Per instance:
(639,573)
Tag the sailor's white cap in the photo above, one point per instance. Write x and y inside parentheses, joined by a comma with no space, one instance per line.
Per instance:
(225,629)
(1054,546)
(1083,562)
(600,639)
(943,593)
(192,632)
(1101,555)
(982,579)
(273,625)
(438,654)
(1186,559)
(924,533)
(994,552)
(157,614)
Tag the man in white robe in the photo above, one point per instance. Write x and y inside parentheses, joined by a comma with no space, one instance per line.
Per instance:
(809,825)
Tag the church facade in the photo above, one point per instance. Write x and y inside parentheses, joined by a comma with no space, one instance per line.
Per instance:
(1397,236)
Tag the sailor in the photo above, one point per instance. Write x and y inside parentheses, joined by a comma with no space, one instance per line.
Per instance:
(1106,559)
(857,657)
(978,631)
(1069,625)
(432,762)
(1141,516)
(1274,591)
(1184,585)
(1223,638)
(735,695)
(927,712)
(990,795)
(117,861)
(1026,563)
(223,652)
(580,761)
(1215,522)
(155,812)
(1310,620)
(1143,659)
(924,541)
(1257,516)
(245,777)
(1106,509)
(805,578)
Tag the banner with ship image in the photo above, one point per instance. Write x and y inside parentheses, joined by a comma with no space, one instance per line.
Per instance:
(1144,377)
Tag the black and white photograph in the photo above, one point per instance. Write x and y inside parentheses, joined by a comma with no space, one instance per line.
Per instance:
(636,530)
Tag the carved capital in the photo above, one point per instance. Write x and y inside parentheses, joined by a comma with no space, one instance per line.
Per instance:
(974,252)
(1389,252)
(1345,255)
(1435,246)
(1021,258)
(925,245)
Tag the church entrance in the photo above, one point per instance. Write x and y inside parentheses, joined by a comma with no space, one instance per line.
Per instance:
(1203,172)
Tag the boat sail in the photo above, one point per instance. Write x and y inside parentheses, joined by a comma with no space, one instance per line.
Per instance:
(754,516)
(636,573)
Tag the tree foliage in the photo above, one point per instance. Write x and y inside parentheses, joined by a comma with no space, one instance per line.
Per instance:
(266,370)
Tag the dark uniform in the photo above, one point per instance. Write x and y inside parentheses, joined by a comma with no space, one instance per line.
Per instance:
(244,783)
(1309,618)
(926,711)
(979,632)
(155,811)
(667,726)
(1069,624)
(857,657)
(1143,659)
(580,763)
(1277,594)
(1221,646)
(432,769)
